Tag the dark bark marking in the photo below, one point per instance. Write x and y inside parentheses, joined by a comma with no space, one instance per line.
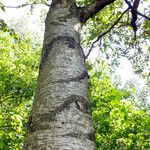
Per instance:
(47,48)
(65,18)
(56,23)
(30,124)
(91,136)
(51,115)
(46,52)
(78,78)
(77,105)
(54,3)
(72,43)
(66,105)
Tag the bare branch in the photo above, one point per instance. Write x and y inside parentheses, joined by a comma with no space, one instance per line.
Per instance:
(143,17)
(26,4)
(134,13)
(146,17)
(140,14)
(89,11)
(99,37)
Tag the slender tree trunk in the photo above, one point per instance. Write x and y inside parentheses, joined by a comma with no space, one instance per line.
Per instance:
(61,116)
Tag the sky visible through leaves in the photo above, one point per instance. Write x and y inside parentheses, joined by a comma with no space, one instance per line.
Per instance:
(121,120)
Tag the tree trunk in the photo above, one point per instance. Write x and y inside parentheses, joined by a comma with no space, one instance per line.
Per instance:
(61,116)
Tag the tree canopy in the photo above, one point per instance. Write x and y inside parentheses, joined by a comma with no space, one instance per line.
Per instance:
(120,123)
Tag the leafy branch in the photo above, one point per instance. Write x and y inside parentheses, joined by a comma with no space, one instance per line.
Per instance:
(100,36)
(132,24)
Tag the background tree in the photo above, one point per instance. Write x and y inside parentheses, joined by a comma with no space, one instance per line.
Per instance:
(118,122)
(18,73)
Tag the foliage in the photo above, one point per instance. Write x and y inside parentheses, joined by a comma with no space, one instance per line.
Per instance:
(118,123)
(5,28)
(18,72)
(119,42)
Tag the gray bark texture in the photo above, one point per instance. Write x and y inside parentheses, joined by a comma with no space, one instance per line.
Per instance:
(61,115)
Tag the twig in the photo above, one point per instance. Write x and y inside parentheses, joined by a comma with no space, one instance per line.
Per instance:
(98,53)
(142,18)
(143,15)
(99,37)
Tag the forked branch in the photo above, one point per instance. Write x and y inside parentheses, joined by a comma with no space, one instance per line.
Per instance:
(140,14)
(135,13)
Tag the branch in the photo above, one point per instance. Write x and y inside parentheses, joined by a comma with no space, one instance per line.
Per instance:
(99,37)
(140,14)
(134,13)
(89,11)
(142,17)
(146,17)
(26,4)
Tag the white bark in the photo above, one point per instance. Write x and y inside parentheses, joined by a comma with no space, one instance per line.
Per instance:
(61,117)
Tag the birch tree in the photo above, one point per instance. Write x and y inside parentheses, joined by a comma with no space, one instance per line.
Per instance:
(61,115)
